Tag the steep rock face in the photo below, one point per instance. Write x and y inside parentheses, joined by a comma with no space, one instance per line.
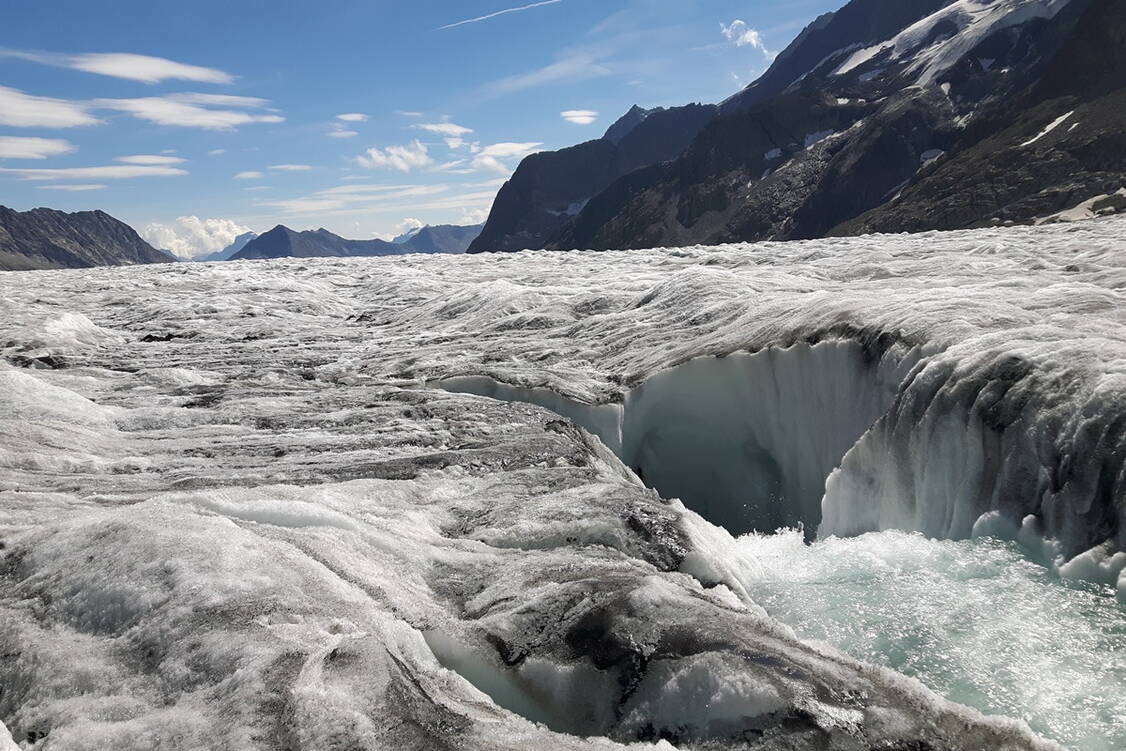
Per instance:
(1061,143)
(872,119)
(282,242)
(860,23)
(551,187)
(49,239)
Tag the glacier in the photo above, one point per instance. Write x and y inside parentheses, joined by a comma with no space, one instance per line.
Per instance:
(527,501)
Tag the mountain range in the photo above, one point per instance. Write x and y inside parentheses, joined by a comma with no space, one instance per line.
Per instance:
(283,242)
(885,116)
(49,239)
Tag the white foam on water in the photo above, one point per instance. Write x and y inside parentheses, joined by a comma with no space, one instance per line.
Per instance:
(977,621)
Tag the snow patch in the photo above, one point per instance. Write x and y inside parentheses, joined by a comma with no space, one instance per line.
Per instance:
(1051,126)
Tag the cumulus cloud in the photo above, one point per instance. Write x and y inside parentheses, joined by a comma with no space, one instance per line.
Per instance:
(192,237)
(579,117)
(451,130)
(353,117)
(402,158)
(16,147)
(248,175)
(290,167)
(126,65)
(490,157)
(150,159)
(473,216)
(71,188)
(742,35)
(193,110)
(22,110)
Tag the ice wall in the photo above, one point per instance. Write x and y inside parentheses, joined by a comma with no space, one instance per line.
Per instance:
(986,443)
(745,440)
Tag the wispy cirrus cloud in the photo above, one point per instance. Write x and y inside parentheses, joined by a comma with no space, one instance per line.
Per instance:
(576,66)
(71,188)
(129,66)
(411,156)
(17,147)
(502,12)
(110,172)
(21,110)
(194,110)
(353,117)
(248,175)
(290,167)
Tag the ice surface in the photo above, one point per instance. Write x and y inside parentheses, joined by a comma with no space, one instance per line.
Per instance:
(235,515)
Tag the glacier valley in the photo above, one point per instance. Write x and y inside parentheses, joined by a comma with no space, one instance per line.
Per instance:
(839,494)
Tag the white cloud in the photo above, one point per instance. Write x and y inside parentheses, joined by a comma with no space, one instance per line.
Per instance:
(403,158)
(192,110)
(581,66)
(408,113)
(353,117)
(150,159)
(579,117)
(217,152)
(15,147)
(71,188)
(126,65)
(489,158)
(248,175)
(454,143)
(290,167)
(742,35)
(408,224)
(445,129)
(191,237)
(342,133)
(26,111)
(259,187)
(474,216)
(499,13)
(112,172)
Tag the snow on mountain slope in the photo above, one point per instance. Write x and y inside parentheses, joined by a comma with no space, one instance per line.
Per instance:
(933,44)
(242,516)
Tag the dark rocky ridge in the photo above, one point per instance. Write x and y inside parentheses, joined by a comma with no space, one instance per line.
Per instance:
(50,239)
(806,151)
(549,188)
(282,242)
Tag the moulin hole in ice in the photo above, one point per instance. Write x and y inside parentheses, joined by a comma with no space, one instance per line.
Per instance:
(746,440)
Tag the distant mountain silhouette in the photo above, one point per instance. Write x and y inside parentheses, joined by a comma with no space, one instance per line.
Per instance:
(283,242)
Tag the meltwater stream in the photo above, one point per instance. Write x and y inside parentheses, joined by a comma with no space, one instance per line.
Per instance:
(975,620)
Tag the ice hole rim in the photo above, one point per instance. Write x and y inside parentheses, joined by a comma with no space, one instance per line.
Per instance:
(746,439)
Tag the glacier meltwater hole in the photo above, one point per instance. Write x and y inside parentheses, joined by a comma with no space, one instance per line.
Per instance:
(748,440)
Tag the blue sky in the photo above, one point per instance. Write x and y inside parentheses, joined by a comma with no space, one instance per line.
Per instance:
(194,121)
